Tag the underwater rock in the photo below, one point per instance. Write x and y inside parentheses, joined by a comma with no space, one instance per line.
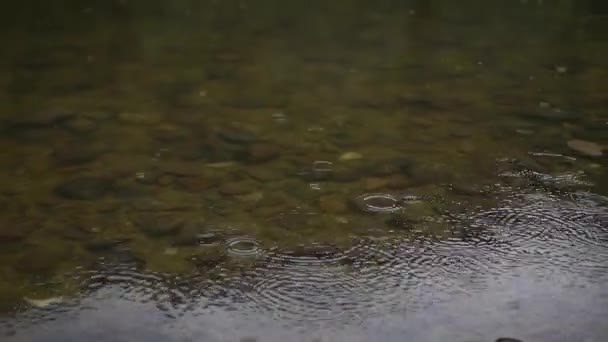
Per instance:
(237,136)
(237,188)
(587,148)
(139,118)
(80,125)
(159,225)
(76,154)
(83,188)
(350,156)
(262,152)
(508,339)
(15,231)
(41,119)
(332,204)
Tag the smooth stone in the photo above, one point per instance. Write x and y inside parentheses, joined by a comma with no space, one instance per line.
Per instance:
(194,184)
(159,225)
(41,119)
(390,167)
(44,302)
(15,231)
(237,188)
(80,125)
(397,182)
(195,232)
(297,220)
(169,133)
(587,148)
(77,155)
(139,118)
(148,177)
(181,168)
(265,174)
(102,245)
(149,204)
(262,152)
(237,136)
(209,259)
(375,183)
(332,204)
(83,188)
(350,156)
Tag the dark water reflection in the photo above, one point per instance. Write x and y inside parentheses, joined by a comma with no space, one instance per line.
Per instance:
(343,171)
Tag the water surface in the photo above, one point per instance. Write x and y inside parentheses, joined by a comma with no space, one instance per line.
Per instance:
(344,171)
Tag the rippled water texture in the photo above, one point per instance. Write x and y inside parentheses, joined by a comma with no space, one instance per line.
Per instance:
(307,171)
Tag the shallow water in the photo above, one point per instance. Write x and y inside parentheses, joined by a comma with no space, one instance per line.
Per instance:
(349,171)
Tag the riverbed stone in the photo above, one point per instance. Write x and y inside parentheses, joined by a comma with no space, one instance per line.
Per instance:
(137,118)
(42,118)
(76,154)
(83,187)
(236,135)
(80,125)
(333,204)
(158,225)
(262,152)
(14,230)
(587,148)
(237,188)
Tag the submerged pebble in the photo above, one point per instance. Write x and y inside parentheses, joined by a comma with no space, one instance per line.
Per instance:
(587,148)
(83,188)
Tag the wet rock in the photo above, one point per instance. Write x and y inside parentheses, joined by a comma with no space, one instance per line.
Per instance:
(262,152)
(76,154)
(375,183)
(237,188)
(350,156)
(41,119)
(314,251)
(436,174)
(265,174)
(389,167)
(237,136)
(508,339)
(587,148)
(103,245)
(321,170)
(195,185)
(397,182)
(80,125)
(332,204)
(297,220)
(15,230)
(196,232)
(83,188)
(169,133)
(344,174)
(154,205)
(159,225)
(139,118)
(181,168)
(148,177)
(209,259)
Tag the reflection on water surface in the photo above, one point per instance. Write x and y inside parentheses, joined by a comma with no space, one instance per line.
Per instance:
(238,171)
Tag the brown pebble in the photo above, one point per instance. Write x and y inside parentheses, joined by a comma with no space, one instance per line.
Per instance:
(374,183)
(236,188)
(332,204)
(262,152)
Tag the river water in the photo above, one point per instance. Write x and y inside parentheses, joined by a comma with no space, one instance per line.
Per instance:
(305,171)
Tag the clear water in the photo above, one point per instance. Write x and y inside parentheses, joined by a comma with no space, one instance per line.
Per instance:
(310,171)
